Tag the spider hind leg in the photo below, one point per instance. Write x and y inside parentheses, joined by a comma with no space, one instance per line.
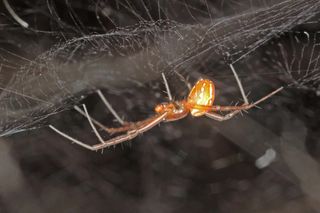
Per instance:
(129,135)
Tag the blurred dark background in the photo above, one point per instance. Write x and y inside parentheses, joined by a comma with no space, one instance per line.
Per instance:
(71,48)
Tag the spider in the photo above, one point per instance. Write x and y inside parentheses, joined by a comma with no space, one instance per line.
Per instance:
(198,103)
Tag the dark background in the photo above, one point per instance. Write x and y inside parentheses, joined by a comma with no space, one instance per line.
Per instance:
(192,165)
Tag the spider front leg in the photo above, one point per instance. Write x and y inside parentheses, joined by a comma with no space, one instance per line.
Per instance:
(236,109)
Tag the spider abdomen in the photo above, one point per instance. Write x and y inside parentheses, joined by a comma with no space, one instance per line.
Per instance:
(201,97)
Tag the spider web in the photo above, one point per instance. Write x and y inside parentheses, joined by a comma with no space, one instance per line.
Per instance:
(114,54)
(297,56)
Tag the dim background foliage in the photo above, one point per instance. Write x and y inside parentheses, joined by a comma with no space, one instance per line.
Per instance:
(72,48)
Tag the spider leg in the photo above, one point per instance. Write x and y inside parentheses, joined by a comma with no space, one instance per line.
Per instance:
(129,126)
(108,105)
(245,99)
(92,125)
(264,98)
(167,87)
(131,134)
(183,79)
(126,126)
(245,106)
(118,139)
(219,117)
(92,119)
(236,109)
(71,138)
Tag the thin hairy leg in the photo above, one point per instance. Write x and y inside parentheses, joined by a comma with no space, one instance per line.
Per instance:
(167,87)
(246,106)
(235,74)
(111,130)
(236,109)
(109,107)
(219,117)
(133,125)
(116,140)
(92,119)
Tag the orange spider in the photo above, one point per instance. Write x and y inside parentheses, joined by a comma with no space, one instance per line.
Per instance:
(199,103)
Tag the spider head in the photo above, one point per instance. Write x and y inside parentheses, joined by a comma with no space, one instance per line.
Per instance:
(175,110)
(164,107)
(201,97)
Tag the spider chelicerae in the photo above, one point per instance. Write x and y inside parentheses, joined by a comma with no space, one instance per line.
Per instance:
(198,103)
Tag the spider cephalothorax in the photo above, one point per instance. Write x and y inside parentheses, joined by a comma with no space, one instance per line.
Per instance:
(175,110)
